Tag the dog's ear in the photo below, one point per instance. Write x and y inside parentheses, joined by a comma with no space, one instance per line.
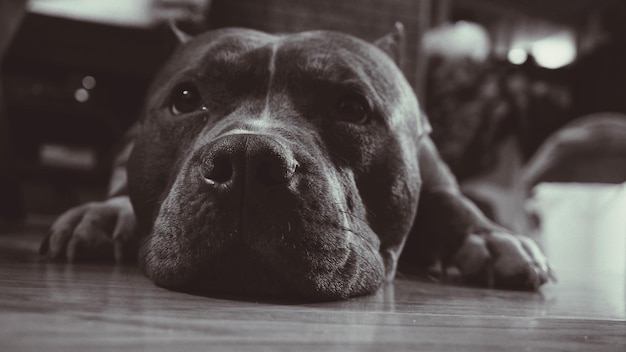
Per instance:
(393,44)
(180,35)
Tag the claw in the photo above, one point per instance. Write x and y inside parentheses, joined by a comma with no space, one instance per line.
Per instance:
(92,231)
(536,279)
(552,275)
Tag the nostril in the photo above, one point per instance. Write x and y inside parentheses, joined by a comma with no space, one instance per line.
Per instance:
(235,162)
(275,171)
(218,170)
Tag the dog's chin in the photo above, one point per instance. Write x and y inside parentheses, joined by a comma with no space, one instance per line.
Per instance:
(237,271)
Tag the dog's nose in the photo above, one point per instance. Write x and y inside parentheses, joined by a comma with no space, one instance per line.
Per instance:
(254,159)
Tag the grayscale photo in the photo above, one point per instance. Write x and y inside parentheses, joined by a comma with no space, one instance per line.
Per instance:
(346,175)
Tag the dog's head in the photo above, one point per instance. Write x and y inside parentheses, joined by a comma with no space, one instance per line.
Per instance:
(276,165)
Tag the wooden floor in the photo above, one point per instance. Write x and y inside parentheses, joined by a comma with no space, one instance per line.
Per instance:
(55,307)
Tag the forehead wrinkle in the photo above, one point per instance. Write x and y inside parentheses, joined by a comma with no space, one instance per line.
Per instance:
(335,63)
(341,68)
(329,66)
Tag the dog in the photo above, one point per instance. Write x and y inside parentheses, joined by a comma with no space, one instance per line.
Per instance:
(293,165)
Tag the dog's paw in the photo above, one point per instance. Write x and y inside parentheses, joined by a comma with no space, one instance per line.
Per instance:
(503,260)
(94,231)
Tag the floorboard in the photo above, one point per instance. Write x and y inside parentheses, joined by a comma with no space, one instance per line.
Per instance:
(98,307)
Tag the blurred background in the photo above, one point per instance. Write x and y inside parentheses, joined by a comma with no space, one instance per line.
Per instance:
(519,92)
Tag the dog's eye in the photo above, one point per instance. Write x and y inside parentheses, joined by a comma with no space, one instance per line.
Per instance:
(185,98)
(353,108)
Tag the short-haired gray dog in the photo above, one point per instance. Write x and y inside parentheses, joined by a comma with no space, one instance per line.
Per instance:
(292,165)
